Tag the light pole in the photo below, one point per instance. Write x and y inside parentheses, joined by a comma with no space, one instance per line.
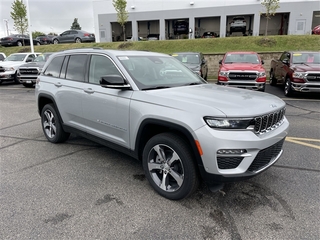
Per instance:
(6,26)
(29,28)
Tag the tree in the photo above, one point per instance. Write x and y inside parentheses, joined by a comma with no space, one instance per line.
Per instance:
(19,16)
(36,34)
(271,7)
(75,25)
(122,14)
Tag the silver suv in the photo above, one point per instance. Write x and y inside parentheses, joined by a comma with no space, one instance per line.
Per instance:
(151,107)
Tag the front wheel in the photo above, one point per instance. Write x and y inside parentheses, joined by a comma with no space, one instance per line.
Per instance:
(51,125)
(169,167)
(273,80)
(288,91)
(19,44)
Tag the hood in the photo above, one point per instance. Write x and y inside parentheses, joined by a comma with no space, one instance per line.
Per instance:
(242,67)
(306,67)
(193,66)
(214,100)
(11,63)
(33,65)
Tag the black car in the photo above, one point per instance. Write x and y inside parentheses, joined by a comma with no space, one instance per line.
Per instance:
(74,36)
(210,35)
(181,27)
(45,39)
(195,61)
(17,40)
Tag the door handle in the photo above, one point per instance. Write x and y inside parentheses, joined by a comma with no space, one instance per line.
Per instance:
(58,84)
(88,90)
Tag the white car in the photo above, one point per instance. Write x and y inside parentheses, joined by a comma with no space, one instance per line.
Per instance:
(238,24)
(11,64)
(2,56)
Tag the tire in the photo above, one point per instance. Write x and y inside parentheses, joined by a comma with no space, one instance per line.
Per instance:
(287,88)
(78,40)
(51,125)
(263,89)
(19,44)
(15,78)
(55,41)
(175,179)
(273,80)
(38,43)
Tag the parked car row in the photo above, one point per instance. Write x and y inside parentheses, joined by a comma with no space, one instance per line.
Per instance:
(69,36)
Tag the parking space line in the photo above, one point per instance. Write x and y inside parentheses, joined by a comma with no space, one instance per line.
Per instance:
(301,141)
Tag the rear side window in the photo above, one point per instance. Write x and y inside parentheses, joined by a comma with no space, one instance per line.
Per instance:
(54,67)
(76,67)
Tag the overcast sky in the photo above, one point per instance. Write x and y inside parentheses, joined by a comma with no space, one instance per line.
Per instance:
(50,15)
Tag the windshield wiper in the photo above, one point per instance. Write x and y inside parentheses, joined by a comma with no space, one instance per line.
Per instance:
(156,87)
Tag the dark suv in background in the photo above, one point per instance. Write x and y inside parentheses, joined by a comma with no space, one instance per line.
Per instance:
(71,36)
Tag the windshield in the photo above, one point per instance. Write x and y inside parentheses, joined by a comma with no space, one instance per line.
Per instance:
(307,58)
(187,58)
(16,57)
(42,58)
(158,72)
(242,58)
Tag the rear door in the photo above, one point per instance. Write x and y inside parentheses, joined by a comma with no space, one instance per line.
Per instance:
(67,74)
(64,36)
(106,111)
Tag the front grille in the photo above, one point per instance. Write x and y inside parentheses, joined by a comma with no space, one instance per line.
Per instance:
(243,75)
(229,162)
(269,121)
(313,77)
(28,71)
(265,156)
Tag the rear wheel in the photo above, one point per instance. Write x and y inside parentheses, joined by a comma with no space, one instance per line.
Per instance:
(169,167)
(55,41)
(273,80)
(51,125)
(78,40)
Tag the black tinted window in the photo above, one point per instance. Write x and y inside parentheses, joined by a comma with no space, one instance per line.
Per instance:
(76,67)
(54,67)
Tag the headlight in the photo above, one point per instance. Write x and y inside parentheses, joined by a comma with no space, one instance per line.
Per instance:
(225,123)
(261,74)
(299,74)
(9,69)
(223,74)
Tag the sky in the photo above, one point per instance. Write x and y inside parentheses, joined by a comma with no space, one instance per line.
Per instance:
(50,15)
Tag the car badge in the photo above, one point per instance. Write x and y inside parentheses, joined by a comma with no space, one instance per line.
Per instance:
(273,105)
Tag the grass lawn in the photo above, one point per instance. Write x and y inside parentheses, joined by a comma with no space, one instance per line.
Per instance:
(206,46)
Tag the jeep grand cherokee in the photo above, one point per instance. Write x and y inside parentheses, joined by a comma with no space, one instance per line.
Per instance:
(150,106)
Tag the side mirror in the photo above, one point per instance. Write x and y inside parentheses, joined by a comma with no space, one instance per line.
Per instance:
(262,62)
(114,81)
(285,61)
(29,60)
(220,62)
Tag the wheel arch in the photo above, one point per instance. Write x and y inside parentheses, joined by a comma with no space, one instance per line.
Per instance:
(44,99)
(150,127)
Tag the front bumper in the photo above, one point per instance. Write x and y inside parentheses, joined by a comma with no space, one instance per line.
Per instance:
(7,75)
(305,87)
(252,85)
(261,152)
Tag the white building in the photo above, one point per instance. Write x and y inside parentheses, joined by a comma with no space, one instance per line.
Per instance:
(159,16)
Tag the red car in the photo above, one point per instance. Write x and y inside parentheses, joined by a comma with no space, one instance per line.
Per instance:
(316,30)
(242,70)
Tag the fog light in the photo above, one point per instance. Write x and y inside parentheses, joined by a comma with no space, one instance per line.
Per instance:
(231,151)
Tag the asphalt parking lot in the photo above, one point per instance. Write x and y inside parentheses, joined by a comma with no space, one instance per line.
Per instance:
(82,190)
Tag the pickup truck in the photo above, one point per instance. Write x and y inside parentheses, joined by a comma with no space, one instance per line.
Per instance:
(28,73)
(242,70)
(298,71)
(9,67)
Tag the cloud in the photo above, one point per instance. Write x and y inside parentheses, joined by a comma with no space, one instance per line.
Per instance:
(51,16)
